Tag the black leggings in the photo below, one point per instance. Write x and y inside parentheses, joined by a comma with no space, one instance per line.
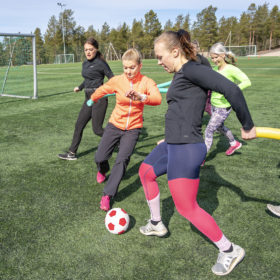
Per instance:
(97,114)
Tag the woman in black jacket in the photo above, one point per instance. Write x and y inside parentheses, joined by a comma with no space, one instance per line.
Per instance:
(183,150)
(94,69)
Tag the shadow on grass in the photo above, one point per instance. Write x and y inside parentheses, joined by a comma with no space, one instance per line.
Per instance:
(57,93)
(210,183)
(132,223)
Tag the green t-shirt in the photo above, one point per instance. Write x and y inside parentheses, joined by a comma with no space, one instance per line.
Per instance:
(235,75)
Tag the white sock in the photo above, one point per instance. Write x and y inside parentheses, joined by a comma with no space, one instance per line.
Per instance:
(233,143)
(154,205)
(223,244)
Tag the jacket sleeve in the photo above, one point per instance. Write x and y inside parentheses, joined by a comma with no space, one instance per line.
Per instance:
(153,94)
(241,77)
(107,71)
(107,88)
(207,78)
(82,85)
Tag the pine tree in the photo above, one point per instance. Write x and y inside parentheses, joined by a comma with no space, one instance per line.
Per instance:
(205,28)
(40,50)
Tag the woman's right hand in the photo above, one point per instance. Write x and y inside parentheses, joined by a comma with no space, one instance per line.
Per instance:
(249,134)
(160,141)
(76,89)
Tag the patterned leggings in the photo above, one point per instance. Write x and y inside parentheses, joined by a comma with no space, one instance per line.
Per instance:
(216,123)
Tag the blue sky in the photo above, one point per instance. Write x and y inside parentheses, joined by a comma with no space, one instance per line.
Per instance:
(25,15)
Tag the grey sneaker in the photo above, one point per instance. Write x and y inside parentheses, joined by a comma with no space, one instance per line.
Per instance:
(150,229)
(274,209)
(68,156)
(226,262)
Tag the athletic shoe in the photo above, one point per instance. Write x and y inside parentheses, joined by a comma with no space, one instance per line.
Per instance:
(274,209)
(68,156)
(226,262)
(100,178)
(232,149)
(105,203)
(150,229)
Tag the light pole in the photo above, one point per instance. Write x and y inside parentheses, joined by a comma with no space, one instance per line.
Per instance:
(63,5)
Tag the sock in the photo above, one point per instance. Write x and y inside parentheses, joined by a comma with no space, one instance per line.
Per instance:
(223,244)
(233,143)
(154,205)
(154,222)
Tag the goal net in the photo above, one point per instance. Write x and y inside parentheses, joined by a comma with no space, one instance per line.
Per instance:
(249,50)
(64,58)
(18,76)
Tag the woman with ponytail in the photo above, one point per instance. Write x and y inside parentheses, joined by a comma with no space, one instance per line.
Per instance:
(94,69)
(221,107)
(183,150)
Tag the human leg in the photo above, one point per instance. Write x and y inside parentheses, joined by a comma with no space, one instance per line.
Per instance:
(215,123)
(128,140)
(154,165)
(83,118)
(183,180)
(106,147)
(98,115)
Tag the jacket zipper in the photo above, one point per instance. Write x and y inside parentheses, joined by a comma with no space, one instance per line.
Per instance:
(129,110)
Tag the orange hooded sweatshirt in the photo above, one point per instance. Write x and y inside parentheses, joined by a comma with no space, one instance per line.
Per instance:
(128,114)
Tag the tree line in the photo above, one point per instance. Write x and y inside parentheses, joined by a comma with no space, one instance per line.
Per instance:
(256,26)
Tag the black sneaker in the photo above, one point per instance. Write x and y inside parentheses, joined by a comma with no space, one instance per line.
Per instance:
(68,156)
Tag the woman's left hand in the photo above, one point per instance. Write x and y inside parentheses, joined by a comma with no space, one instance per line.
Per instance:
(248,134)
(133,95)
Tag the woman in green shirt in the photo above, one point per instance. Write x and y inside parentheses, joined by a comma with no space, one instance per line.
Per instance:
(221,108)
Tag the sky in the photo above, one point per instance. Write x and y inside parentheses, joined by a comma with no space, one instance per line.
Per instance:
(25,16)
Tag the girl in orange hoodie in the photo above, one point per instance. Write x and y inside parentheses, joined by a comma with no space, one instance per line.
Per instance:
(133,90)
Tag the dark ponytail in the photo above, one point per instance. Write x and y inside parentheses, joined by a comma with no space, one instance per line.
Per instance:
(181,39)
(185,41)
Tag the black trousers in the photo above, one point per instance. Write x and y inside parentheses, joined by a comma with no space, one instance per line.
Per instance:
(111,137)
(96,113)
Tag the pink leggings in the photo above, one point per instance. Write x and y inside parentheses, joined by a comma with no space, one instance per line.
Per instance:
(176,160)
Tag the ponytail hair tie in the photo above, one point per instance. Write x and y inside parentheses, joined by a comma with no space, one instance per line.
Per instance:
(183,33)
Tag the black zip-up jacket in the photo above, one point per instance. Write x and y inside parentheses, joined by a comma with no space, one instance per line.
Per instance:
(93,72)
(186,99)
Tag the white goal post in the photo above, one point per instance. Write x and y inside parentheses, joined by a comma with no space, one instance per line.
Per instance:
(64,58)
(18,51)
(248,50)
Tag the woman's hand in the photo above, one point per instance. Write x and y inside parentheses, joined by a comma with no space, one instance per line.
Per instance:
(160,141)
(135,96)
(76,89)
(248,134)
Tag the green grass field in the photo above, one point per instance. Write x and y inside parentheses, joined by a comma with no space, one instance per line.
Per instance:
(50,223)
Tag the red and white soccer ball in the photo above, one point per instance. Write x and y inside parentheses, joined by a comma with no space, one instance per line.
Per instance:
(116,221)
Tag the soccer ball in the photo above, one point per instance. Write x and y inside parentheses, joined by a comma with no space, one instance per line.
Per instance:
(117,221)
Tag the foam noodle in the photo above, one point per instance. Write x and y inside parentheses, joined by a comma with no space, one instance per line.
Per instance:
(268,132)
(163,90)
(164,84)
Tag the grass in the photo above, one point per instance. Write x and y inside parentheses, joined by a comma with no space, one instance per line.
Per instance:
(50,223)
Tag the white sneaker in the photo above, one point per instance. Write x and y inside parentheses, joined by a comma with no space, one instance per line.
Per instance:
(226,262)
(274,209)
(150,229)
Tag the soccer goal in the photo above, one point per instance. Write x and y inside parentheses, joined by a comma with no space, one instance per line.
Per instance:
(64,58)
(249,50)
(18,74)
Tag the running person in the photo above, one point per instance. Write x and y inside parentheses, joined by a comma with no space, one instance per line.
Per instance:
(133,91)
(94,69)
(183,150)
(220,106)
